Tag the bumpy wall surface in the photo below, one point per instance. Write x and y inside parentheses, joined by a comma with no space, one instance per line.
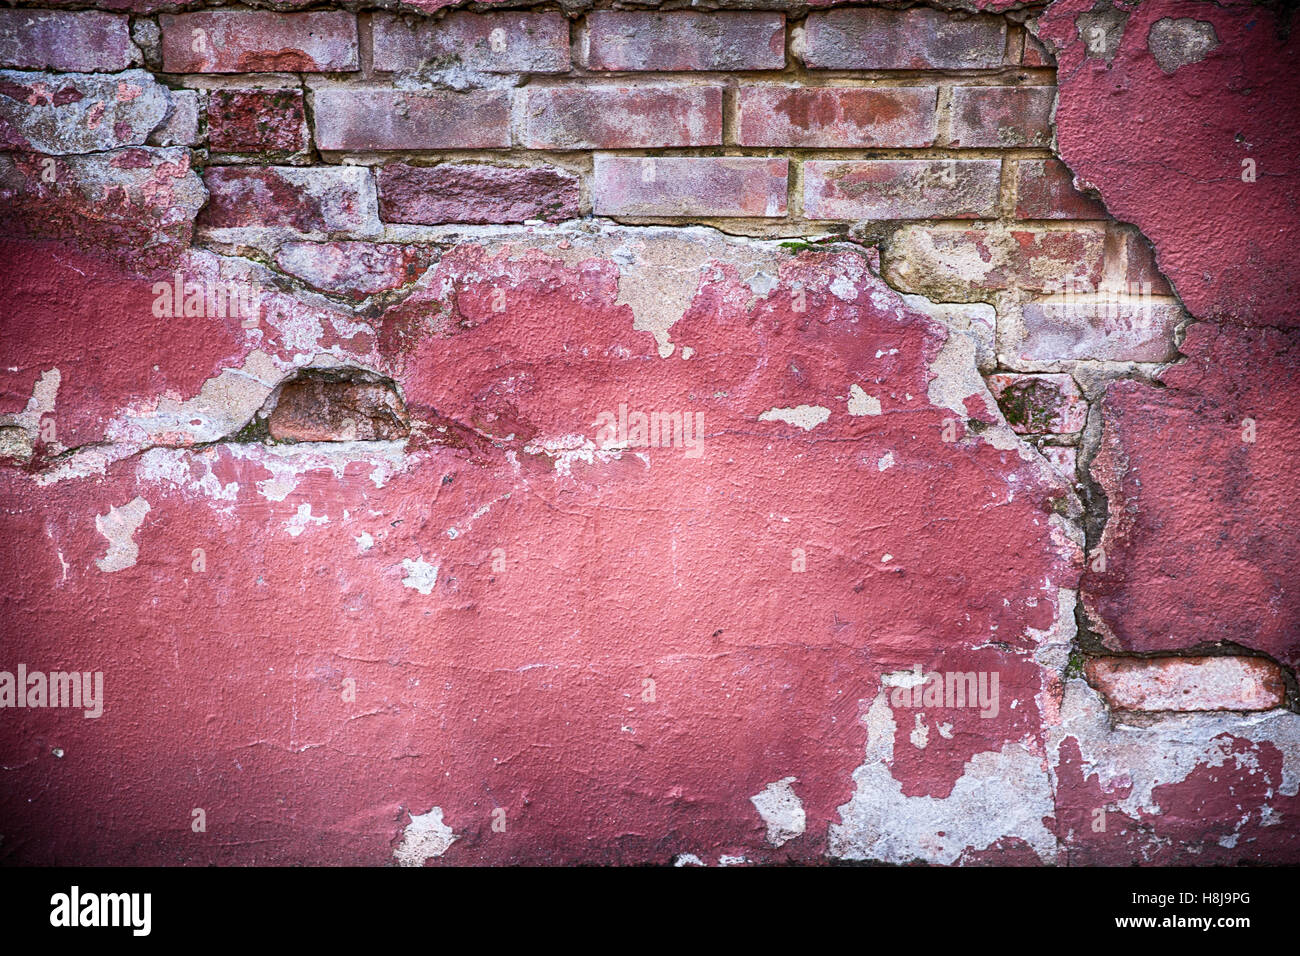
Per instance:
(573,433)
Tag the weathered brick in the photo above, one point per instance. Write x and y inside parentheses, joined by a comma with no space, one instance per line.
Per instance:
(257,121)
(1039,404)
(462,192)
(1035,53)
(1188,683)
(956,264)
(138,204)
(901,189)
(317,200)
(62,40)
(1101,326)
(1002,115)
(1141,275)
(1046,191)
(1056,260)
(915,39)
(622,117)
(685,40)
(348,119)
(259,41)
(836,116)
(1064,460)
(689,186)
(182,125)
(354,269)
(318,409)
(486,42)
(78,112)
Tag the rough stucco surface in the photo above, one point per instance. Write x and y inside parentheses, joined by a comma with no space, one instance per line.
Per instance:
(508,630)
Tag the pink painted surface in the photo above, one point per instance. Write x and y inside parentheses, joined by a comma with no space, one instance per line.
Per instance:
(1166,151)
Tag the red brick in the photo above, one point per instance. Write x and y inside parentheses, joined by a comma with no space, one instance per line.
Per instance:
(685,40)
(316,409)
(1046,191)
(59,40)
(428,195)
(916,39)
(689,186)
(257,121)
(349,119)
(901,189)
(1035,54)
(1040,404)
(622,117)
(312,200)
(1140,271)
(1188,683)
(259,41)
(944,261)
(485,42)
(355,269)
(836,116)
(1057,260)
(1002,115)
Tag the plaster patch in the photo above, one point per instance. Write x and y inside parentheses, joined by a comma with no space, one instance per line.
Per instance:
(425,838)
(860,403)
(420,574)
(806,417)
(1001,793)
(782,811)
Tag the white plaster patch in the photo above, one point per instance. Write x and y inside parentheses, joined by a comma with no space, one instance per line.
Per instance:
(886,461)
(1001,793)
(424,838)
(806,417)
(119,527)
(298,523)
(365,542)
(420,574)
(782,811)
(860,403)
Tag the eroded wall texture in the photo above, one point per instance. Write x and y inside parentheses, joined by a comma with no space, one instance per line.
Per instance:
(661,433)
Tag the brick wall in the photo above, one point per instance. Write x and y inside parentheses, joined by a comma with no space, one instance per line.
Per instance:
(351,161)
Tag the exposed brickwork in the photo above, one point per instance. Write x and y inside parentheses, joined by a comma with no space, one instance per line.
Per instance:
(835,116)
(1046,191)
(321,410)
(311,201)
(384,119)
(683,40)
(1189,683)
(901,189)
(475,193)
(622,117)
(688,186)
(64,40)
(488,43)
(272,122)
(916,39)
(1002,115)
(258,41)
